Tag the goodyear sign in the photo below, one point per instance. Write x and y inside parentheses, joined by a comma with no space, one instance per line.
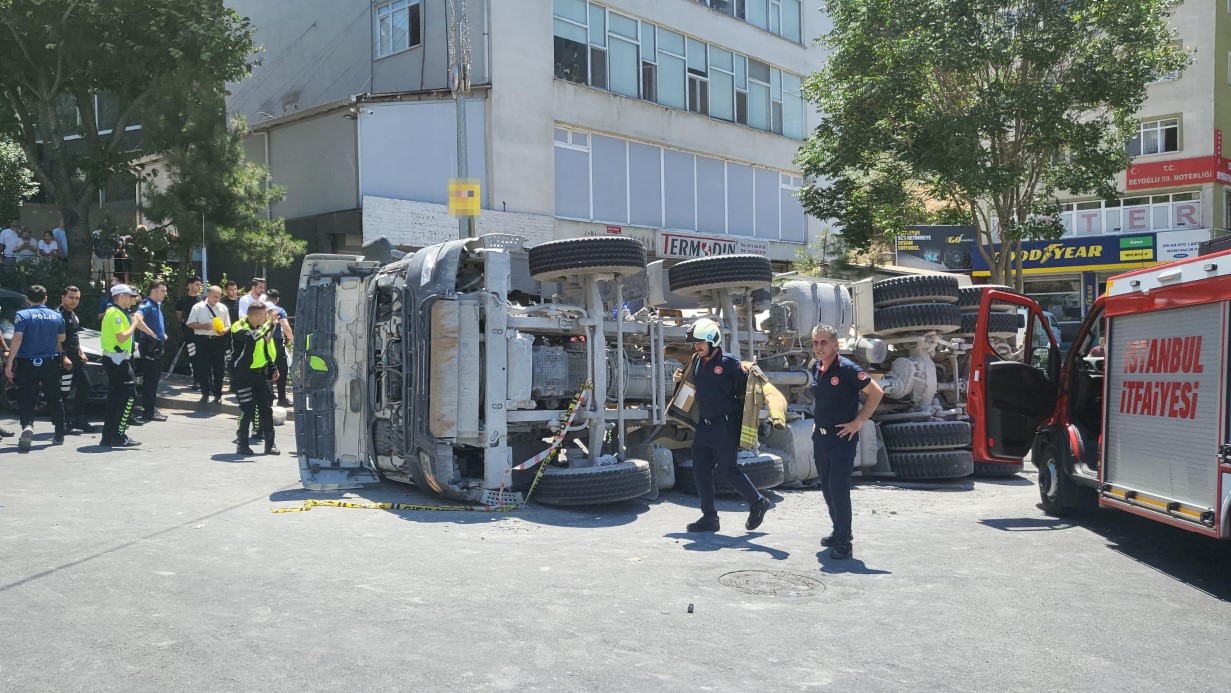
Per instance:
(1089,254)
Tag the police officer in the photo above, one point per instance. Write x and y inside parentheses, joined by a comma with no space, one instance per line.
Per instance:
(117,344)
(282,337)
(254,365)
(720,381)
(76,357)
(36,358)
(837,419)
(151,342)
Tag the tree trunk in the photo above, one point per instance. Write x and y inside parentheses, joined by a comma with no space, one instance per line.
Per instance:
(80,243)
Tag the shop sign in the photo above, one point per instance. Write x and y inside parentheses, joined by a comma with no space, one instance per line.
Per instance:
(1167,174)
(1191,171)
(1089,287)
(941,248)
(687,245)
(1178,245)
(1082,254)
(646,236)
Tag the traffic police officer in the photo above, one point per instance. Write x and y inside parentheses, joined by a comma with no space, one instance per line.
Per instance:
(720,381)
(837,418)
(36,358)
(117,345)
(254,364)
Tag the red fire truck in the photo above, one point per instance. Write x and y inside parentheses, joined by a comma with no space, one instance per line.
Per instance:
(1135,417)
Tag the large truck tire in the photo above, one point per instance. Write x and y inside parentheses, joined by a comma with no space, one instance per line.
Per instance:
(556,261)
(996,470)
(926,435)
(917,317)
(998,325)
(720,272)
(593,485)
(942,464)
(915,288)
(968,297)
(764,473)
(1058,494)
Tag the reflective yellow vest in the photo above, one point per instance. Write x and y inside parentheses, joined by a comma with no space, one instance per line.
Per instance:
(262,352)
(115,321)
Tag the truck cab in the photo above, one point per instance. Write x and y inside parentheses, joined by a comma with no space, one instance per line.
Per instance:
(1136,418)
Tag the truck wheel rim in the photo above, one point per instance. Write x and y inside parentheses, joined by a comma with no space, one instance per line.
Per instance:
(1049,481)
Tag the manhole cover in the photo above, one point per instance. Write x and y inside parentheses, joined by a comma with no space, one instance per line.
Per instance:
(772,583)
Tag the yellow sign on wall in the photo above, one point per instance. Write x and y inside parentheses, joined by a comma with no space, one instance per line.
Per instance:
(463,197)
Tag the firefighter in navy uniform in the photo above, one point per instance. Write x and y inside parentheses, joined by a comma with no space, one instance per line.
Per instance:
(253,362)
(720,381)
(837,418)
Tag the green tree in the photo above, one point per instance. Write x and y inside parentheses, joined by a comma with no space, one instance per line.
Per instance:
(16,180)
(79,73)
(987,107)
(211,183)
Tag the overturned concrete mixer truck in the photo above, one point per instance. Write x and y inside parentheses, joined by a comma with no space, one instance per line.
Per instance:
(462,367)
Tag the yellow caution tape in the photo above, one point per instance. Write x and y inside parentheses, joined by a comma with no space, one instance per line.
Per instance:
(550,454)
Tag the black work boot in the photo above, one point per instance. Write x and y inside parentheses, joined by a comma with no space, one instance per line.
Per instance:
(271,449)
(756,513)
(707,523)
(842,550)
(831,540)
(244,450)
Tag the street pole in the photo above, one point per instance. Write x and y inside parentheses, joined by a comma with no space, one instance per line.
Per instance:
(459,54)
(204,252)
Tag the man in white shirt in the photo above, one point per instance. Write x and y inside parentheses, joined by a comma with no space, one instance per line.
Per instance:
(61,238)
(210,322)
(10,238)
(256,292)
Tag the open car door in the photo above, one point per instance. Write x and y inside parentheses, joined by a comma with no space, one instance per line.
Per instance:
(1014,370)
(331,329)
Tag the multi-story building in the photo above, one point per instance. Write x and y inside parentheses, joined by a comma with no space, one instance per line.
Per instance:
(673,121)
(1176,193)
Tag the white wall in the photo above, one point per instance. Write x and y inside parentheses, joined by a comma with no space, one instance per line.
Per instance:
(316,160)
(528,102)
(408,151)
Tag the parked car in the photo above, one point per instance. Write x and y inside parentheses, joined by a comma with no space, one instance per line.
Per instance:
(10,303)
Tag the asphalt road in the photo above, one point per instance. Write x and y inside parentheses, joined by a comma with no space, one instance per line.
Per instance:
(163,568)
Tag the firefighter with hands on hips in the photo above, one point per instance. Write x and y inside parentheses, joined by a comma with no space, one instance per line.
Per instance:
(117,345)
(720,381)
(253,361)
(837,418)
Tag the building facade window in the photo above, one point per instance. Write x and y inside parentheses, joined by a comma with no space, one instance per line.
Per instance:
(399,27)
(607,50)
(782,17)
(1155,137)
(1132,214)
(617,181)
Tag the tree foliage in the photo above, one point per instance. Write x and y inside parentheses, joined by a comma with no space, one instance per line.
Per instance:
(79,73)
(987,107)
(211,183)
(16,180)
